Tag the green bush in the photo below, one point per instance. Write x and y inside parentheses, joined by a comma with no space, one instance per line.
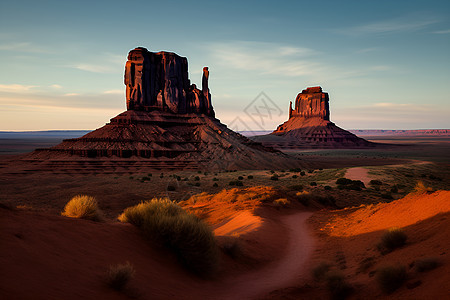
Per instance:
(427,264)
(392,239)
(196,178)
(215,179)
(274,177)
(171,188)
(294,176)
(240,178)
(313,183)
(236,183)
(302,173)
(390,278)
(186,235)
(215,184)
(82,207)
(250,177)
(119,275)
(327,188)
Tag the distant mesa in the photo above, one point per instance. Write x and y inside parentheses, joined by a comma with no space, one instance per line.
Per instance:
(309,126)
(169,124)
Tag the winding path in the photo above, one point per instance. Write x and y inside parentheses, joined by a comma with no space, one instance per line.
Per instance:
(288,270)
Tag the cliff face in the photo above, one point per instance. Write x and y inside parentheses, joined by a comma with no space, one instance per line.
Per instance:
(160,81)
(310,103)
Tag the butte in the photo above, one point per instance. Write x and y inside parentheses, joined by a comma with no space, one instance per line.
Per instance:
(309,126)
(169,124)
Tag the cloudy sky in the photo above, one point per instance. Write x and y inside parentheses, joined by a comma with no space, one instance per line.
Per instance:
(385,64)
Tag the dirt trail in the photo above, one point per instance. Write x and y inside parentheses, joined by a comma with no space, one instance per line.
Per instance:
(358,173)
(289,269)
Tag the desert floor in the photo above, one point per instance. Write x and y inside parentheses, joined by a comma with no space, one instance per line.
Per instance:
(46,256)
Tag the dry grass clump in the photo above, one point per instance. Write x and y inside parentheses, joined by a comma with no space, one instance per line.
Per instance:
(82,207)
(119,275)
(281,202)
(390,278)
(392,239)
(186,235)
(427,264)
(420,188)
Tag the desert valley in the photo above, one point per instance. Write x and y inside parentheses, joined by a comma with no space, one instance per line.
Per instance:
(167,202)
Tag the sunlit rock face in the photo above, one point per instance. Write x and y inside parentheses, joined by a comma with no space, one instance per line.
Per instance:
(160,81)
(311,102)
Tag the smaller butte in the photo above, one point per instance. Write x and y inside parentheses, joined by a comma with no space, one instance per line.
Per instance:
(309,126)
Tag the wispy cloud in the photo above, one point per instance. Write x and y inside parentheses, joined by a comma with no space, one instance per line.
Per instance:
(16,88)
(56,86)
(442,31)
(399,25)
(23,47)
(114,92)
(93,68)
(71,94)
(104,63)
(266,58)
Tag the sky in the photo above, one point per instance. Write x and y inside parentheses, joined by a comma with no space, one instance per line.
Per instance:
(385,64)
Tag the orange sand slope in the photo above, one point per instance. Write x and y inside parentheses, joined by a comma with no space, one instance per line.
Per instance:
(400,213)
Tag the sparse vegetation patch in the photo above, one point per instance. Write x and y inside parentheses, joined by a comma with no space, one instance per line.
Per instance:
(82,207)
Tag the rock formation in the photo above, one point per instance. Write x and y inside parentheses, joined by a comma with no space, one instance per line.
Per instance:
(159,81)
(169,124)
(309,126)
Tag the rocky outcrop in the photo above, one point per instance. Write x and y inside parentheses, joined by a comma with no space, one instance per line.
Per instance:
(169,124)
(310,103)
(309,126)
(160,81)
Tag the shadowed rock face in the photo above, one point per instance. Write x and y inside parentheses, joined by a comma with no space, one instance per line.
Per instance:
(160,81)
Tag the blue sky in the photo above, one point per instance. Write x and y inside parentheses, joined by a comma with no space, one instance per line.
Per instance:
(385,64)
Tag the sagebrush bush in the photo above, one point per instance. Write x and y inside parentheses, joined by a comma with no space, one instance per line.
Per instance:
(427,264)
(337,286)
(421,188)
(118,276)
(390,278)
(281,202)
(320,270)
(392,239)
(186,235)
(82,207)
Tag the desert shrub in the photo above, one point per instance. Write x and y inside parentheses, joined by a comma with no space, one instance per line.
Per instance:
(145,178)
(390,278)
(171,188)
(392,239)
(298,170)
(337,286)
(310,171)
(394,189)
(420,188)
(186,235)
(366,264)
(131,177)
(387,196)
(375,182)
(427,264)
(240,178)
(250,177)
(272,171)
(199,172)
(161,175)
(313,183)
(302,173)
(196,178)
(215,184)
(215,179)
(348,184)
(274,177)
(320,270)
(297,187)
(236,183)
(119,275)
(294,176)
(343,181)
(149,174)
(178,178)
(327,188)
(197,184)
(281,202)
(82,207)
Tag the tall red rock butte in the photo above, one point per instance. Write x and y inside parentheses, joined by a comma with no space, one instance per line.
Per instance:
(169,124)
(309,126)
